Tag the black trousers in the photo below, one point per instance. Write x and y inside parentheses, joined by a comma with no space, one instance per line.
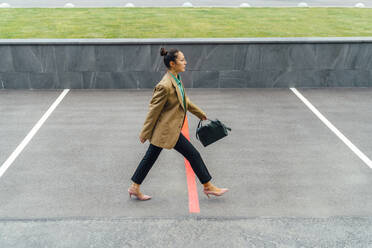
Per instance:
(184,147)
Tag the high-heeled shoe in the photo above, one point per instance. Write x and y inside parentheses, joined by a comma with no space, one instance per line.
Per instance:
(215,192)
(138,194)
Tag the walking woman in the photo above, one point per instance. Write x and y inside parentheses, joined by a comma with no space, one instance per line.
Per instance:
(163,124)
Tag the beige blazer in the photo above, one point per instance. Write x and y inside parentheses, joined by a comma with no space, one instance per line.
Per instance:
(166,114)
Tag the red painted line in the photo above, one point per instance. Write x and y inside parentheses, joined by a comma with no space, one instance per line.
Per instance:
(190,175)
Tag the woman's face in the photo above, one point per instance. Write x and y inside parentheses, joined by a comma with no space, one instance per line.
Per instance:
(181,63)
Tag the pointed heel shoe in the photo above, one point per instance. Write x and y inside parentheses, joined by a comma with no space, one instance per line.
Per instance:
(215,193)
(139,196)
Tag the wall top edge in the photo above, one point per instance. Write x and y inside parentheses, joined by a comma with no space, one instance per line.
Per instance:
(185,41)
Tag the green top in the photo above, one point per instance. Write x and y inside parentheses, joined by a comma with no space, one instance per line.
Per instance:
(178,80)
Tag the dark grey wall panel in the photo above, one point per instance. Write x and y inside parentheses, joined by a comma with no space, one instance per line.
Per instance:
(137,58)
(79,58)
(205,79)
(233,79)
(43,80)
(15,80)
(109,58)
(211,63)
(6,59)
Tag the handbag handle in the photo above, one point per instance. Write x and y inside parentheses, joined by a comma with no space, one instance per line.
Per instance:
(199,125)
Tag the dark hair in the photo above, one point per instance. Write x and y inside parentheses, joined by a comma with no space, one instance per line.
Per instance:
(169,56)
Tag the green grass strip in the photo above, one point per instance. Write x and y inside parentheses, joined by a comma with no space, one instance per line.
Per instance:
(184,22)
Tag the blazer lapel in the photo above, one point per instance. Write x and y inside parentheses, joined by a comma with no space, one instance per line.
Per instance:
(179,95)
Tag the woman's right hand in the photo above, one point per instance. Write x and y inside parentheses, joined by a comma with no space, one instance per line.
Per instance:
(142,140)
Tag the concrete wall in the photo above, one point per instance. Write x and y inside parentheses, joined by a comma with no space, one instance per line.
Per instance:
(212,63)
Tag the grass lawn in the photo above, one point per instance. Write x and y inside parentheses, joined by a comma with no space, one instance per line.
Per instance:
(184,22)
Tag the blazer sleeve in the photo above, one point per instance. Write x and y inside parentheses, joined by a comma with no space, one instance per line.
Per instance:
(195,109)
(159,98)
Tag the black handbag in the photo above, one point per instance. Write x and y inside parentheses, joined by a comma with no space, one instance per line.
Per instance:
(211,132)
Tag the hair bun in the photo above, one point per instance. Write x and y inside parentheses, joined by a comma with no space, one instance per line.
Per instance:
(163,52)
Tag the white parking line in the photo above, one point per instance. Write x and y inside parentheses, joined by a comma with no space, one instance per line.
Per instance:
(31,134)
(355,149)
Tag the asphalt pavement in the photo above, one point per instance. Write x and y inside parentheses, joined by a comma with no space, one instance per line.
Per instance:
(293,182)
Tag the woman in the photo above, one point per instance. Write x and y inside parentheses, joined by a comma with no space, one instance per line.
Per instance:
(163,124)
